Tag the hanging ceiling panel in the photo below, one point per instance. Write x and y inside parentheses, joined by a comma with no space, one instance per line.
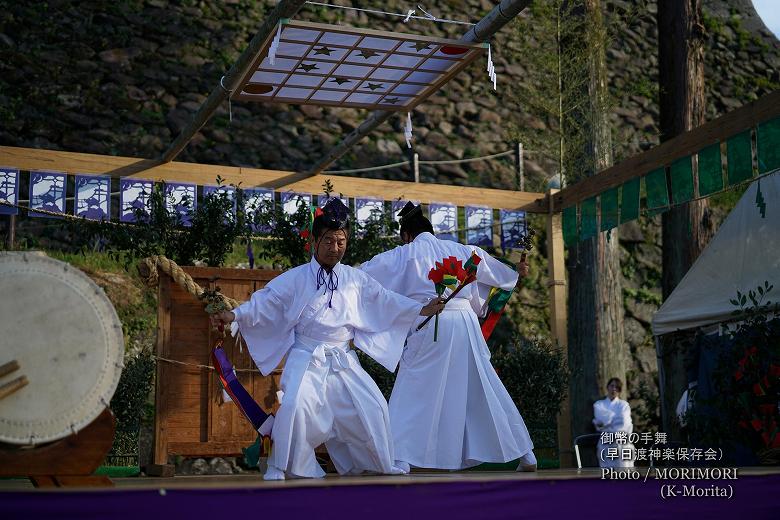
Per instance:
(349,67)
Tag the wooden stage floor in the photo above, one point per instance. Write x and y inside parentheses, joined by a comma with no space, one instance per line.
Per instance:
(469,495)
(255,481)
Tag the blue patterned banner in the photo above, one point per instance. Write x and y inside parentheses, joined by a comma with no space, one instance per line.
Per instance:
(257,200)
(367,209)
(9,190)
(229,190)
(479,226)
(444,218)
(93,197)
(133,196)
(322,199)
(291,201)
(398,205)
(181,199)
(47,192)
(513,228)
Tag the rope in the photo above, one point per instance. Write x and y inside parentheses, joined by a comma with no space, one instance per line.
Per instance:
(470,159)
(406,16)
(448,161)
(207,367)
(150,267)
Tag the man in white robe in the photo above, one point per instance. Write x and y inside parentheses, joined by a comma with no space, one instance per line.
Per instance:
(613,415)
(310,313)
(448,409)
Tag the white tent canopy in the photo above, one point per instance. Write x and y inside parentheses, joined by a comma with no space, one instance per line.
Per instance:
(741,256)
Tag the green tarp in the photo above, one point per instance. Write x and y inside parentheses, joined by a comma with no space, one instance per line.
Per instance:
(768,145)
(609,209)
(657,192)
(570,225)
(710,170)
(589,224)
(629,201)
(681,175)
(739,158)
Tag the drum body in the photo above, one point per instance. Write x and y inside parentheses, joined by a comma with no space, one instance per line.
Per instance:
(64,332)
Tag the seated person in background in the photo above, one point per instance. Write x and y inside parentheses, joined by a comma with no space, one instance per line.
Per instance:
(613,415)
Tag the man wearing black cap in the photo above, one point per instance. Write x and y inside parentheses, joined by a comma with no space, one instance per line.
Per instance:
(449,409)
(310,313)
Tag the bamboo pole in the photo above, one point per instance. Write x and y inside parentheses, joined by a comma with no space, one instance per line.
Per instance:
(480,33)
(284,9)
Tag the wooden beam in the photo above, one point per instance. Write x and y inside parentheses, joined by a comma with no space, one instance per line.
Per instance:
(556,286)
(499,16)
(688,143)
(205,174)
(284,9)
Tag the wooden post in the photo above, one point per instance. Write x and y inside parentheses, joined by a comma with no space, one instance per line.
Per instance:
(519,168)
(160,466)
(416,167)
(11,232)
(284,9)
(556,270)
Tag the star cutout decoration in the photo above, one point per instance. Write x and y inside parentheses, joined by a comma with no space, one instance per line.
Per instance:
(392,100)
(374,86)
(323,50)
(308,67)
(340,81)
(420,46)
(367,54)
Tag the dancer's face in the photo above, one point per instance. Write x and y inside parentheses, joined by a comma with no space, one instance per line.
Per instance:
(331,246)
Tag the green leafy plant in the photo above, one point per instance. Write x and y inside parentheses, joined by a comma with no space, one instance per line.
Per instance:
(743,409)
(160,231)
(536,376)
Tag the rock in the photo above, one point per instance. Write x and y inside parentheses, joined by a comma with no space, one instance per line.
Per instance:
(466,109)
(219,466)
(311,111)
(451,170)
(487,116)
(641,311)
(445,127)
(192,60)
(437,139)
(6,40)
(199,466)
(635,333)
(135,93)
(630,232)
(119,56)
(645,357)
(69,100)
(388,147)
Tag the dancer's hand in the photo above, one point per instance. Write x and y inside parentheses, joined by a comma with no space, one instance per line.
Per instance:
(522,268)
(220,319)
(433,307)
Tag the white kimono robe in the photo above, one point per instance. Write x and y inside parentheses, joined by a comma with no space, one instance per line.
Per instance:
(327,396)
(613,416)
(448,408)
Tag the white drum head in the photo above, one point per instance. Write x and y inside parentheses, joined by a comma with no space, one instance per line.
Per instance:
(65,334)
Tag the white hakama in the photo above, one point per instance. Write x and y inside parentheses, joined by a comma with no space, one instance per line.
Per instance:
(327,397)
(449,409)
(614,416)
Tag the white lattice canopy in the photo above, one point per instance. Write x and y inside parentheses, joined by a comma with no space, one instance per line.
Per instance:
(348,67)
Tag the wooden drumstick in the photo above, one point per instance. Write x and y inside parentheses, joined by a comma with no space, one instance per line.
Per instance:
(11,387)
(9,367)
